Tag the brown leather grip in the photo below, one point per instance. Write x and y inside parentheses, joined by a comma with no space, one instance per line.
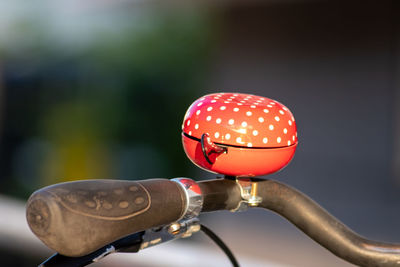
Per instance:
(76,218)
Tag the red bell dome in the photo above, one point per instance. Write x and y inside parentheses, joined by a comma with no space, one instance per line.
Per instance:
(243,135)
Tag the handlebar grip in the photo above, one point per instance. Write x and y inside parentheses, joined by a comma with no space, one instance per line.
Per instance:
(76,218)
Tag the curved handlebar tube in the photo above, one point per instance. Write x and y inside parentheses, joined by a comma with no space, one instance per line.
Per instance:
(325,229)
(309,217)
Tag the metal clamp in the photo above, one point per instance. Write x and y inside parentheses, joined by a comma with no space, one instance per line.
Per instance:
(181,229)
(249,193)
(194,197)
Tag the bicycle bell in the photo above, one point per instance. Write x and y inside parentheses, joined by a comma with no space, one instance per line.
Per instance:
(239,134)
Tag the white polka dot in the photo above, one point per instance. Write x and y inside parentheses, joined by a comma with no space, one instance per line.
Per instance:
(190,132)
(213,101)
(289,143)
(242,131)
(293,138)
(227,136)
(265,140)
(199,104)
(281,111)
(290,122)
(261,119)
(226,102)
(285,108)
(271,127)
(216,134)
(269,106)
(222,108)
(296,134)
(278,139)
(244,124)
(266,110)
(201,99)
(236,109)
(182,127)
(249,144)
(218,121)
(259,101)
(209,108)
(248,113)
(188,123)
(208,118)
(235,94)
(196,126)
(231,121)
(277,118)
(239,104)
(285,131)
(198,112)
(255,132)
(252,106)
(243,101)
(239,140)
(229,99)
(272,103)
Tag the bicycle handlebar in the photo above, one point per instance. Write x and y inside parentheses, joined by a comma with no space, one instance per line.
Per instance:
(78,228)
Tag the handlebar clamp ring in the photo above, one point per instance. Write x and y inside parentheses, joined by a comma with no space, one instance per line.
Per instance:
(194,197)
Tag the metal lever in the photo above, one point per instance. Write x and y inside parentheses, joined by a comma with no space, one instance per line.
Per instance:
(131,243)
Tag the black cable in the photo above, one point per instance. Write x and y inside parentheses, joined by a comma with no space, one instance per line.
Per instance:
(221,244)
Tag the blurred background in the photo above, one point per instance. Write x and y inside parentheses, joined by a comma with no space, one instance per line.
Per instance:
(98,89)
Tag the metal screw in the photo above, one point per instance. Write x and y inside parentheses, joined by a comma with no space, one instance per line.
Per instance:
(174,228)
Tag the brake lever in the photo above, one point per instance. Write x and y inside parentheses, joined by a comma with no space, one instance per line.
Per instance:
(131,243)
